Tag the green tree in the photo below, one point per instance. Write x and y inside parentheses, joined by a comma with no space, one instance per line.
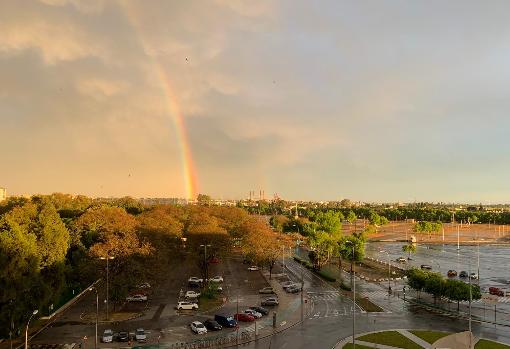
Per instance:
(345,248)
(409,248)
(329,221)
(204,200)
(278,222)
(417,279)
(435,285)
(322,246)
(351,216)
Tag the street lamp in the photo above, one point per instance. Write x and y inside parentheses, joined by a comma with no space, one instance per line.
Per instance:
(107,258)
(353,283)
(389,270)
(205,259)
(26,330)
(97,312)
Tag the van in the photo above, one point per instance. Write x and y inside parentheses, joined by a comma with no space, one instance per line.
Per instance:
(225,320)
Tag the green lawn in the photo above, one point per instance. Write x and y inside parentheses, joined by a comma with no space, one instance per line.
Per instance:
(358,346)
(430,336)
(485,344)
(392,338)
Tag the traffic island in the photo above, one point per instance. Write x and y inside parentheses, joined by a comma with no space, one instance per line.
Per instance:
(418,339)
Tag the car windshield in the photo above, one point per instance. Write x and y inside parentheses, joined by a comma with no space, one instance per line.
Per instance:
(139,331)
(199,325)
(108,332)
(230,318)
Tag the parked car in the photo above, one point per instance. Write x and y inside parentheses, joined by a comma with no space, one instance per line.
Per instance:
(293,289)
(266,290)
(195,280)
(216,279)
(225,320)
(496,291)
(186,305)
(286,284)
(261,310)
(269,302)
(144,285)
(140,335)
(137,298)
(253,313)
(451,273)
(244,317)
(192,294)
(253,268)
(426,267)
(401,260)
(194,284)
(123,336)
(198,327)
(107,336)
(212,325)
(463,274)
(473,276)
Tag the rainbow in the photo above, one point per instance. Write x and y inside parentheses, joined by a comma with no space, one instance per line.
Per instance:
(188,168)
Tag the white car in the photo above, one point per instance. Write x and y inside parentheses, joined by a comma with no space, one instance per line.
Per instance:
(137,298)
(253,313)
(186,305)
(140,335)
(144,285)
(195,279)
(216,279)
(107,336)
(198,327)
(253,268)
(473,276)
(401,260)
(192,294)
(287,284)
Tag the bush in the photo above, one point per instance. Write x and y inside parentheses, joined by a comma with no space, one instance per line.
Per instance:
(326,276)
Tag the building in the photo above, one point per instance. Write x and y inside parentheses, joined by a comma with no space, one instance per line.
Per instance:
(3,194)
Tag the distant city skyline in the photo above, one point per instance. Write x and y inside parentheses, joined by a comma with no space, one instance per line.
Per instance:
(373,101)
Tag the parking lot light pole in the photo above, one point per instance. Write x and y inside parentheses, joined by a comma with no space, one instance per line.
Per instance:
(107,258)
(97,312)
(26,329)
(205,260)
(353,283)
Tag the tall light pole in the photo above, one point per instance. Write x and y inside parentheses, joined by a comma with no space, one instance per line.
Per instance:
(26,329)
(97,312)
(353,283)
(389,270)
(205,260)
(107,258)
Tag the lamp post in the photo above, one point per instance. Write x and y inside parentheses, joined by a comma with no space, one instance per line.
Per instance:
(205,260)
(26,329)
(97,312)
(353,283)
(389,270)
(107,258)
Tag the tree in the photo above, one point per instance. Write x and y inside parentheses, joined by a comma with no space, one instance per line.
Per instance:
(346,203)
(278,222)
(345,247)
(417,279)
(329,221)
(409,248)
(204,200)
(427,227)
(351,216)
(322,247)
(435,285)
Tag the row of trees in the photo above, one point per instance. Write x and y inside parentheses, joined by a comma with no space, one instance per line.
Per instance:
(436,285)
(51,245)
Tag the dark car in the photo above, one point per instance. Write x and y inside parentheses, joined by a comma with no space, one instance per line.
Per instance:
(123,336)
(451,273)
(261,310)
(194,284)
(269,302)
(426,267)
(212,325)
(463,274)
(225,320)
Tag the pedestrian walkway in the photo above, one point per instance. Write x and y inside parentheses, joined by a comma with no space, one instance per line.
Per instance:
(414,338)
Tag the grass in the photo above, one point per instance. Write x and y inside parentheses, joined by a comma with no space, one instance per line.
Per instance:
(358,346)
(486,344)
(207,304)
(430,336)
(392,338)
(367,305)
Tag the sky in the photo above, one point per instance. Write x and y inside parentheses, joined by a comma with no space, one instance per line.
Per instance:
(369,100)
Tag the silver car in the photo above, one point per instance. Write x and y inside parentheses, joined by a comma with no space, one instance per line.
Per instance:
(140,335)
(107,336)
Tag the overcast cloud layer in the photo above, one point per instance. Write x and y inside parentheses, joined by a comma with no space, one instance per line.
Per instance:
(378,101)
